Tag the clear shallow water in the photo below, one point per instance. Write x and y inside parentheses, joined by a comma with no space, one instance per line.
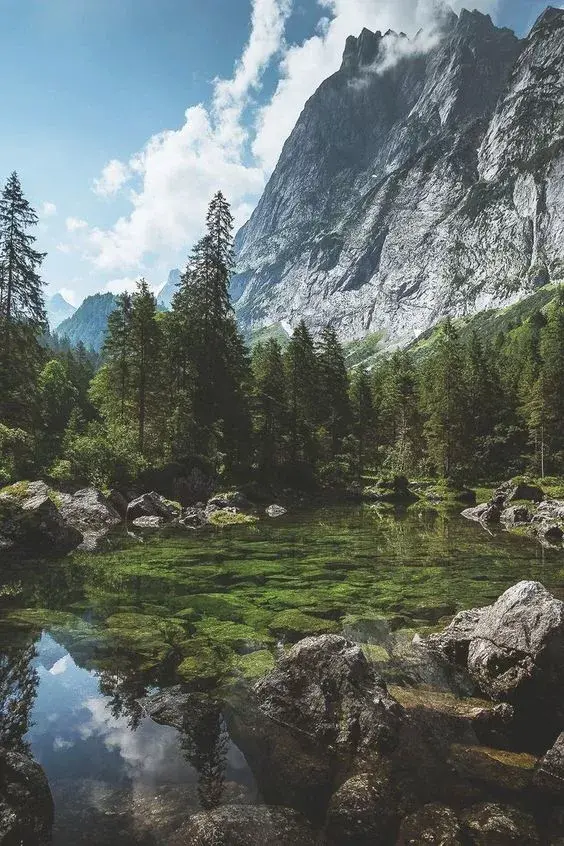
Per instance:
(88,636)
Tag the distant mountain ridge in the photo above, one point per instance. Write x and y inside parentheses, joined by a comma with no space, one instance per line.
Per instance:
(58,309)
(89,322)
(413,189)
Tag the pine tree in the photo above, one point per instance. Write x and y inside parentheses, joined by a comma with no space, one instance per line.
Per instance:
(364,418)
(446,403)
(400,416)
(335,408)
(302,386)
(269,406)
(117,350)
(551,383)
(146,350)
(22,311)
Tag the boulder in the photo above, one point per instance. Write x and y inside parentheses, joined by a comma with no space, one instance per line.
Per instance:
(325,688)
(26,805)
(522,490)
(516,515)
(275,511)
(31,522)
(454,641)
(363,811)
(119,502)
(246,825)
(432,825)
(549,776)
(498,768)
(487,512)
(193,518)
(149,522)
(88,510)
(320,717)
(516,651)
(152,505)
(490,824)
(552,533)
(231,499)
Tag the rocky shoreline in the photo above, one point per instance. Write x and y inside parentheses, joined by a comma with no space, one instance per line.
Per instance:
(36,518)
(465,748)
(523,508)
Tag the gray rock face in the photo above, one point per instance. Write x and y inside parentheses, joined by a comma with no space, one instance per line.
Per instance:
(404,193)
(242,825)
(516,651)
(454,641)
(26,805)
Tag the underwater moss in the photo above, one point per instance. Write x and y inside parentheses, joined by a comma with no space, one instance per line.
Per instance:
(254,665)
(293,625)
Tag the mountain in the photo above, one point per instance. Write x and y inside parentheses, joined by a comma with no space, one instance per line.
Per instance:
(167,292)
(58,310)
(88,323)
(417,183)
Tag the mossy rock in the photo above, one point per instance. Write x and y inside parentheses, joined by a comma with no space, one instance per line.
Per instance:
(45,618)
(237,636)
(228,518)
(254,665)
(506,770)
(18,491)
(293,625)
(204,666)
(374,653)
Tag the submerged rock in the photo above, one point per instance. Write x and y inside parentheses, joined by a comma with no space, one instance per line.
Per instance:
(246,825)
(490,824)
(26,805)
(432,825)
(363,811)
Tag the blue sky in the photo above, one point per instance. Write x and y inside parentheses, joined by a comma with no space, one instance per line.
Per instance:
(123,116)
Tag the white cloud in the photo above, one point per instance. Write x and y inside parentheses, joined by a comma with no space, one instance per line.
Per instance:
(70,295)
(48,209)
(305,66)
(114,176)
(60,666)
(64,248)
(118,286)
(74,224)
(179,170)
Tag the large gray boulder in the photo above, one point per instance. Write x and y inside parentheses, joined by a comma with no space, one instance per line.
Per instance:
(454,641)
(516,651)
(26,805)
(246,825)
(88,510)
(31,522)
(320,717)
(362,812)
(152,505)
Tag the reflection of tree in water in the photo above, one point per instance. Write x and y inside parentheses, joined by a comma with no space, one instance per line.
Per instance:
(18,688)
(204,743)
(124,691)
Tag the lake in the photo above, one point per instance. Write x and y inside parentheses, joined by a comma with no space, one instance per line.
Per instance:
(86,639)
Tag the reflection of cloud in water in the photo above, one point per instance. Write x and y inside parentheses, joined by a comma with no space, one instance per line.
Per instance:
(150,753)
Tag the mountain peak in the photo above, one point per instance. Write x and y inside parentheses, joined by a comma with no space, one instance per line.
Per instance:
(363,50)
(551,17)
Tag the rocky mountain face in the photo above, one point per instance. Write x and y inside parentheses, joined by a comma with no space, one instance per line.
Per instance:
(89,322)
(58,310)
(169,289)
(417,183)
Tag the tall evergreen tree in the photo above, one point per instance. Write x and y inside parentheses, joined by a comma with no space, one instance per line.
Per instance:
(146,350)
(446,401)
(551,386)
(22,310)
(364,418)
(302,380)
(269,406)
(335,408)
(118,351)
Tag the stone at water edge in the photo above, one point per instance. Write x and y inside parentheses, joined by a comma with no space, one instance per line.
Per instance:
(88,510)
(31,521)
(26,804)
(246,825)
(516,651)
(362,812)
(275,511)
(152,505)
(432,825)
(454,641)
(491,824)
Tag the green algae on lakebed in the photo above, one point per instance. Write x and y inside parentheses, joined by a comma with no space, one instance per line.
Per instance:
(191,608)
